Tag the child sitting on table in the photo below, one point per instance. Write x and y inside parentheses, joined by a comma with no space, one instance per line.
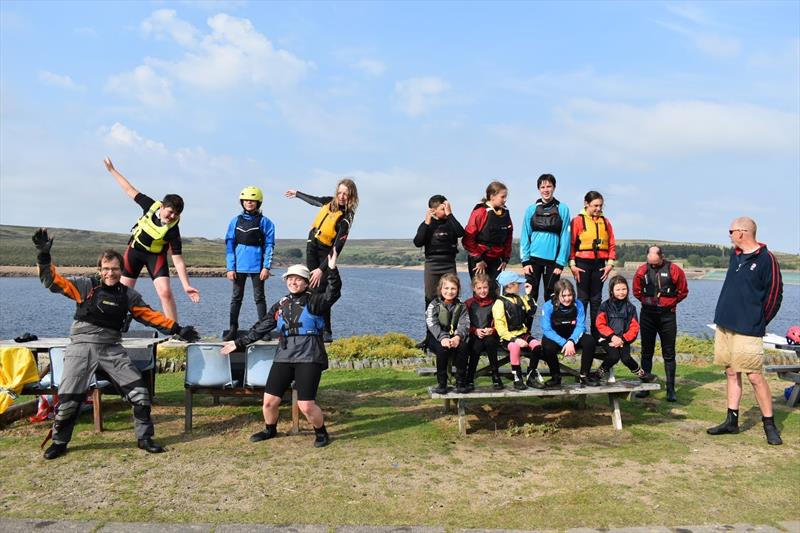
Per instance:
(617,324)
(482,335)
(513,315)
(448,327)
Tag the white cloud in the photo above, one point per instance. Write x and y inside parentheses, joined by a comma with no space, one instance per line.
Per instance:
(58,80)
(688,11)
(164,23)
(143,84)
(119,135)
(712,44)
(372,67)
(417,96)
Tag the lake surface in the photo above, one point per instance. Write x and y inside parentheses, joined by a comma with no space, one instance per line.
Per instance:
(374,301)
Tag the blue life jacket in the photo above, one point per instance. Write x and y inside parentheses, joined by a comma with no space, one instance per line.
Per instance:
(294,318)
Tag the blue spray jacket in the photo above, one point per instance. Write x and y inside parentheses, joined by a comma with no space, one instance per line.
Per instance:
(543,244)
(249,259)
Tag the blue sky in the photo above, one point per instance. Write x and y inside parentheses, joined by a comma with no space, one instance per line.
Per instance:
(684,115)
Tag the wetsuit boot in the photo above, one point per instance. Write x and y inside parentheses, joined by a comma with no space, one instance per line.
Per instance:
(149,446)
(441,387)
(270,431)
(669,367)
(519,383)
(553,383)
(321,437)
(534,380)
(497,381)
(232,334)
(731,424)
(55,450)
(773,435)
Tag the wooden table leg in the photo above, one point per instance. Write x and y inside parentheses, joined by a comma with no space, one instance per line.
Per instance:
(187,410)
(447,406)
(582,401)
(462,420)
(616,414)
(295,414)
(97,410)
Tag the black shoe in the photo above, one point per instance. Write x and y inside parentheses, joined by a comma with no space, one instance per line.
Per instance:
(497,382)
(55,450)
(232,335)
(461,387)
(645,377)
(670,394)
(327,337)
(268,433)
(533,380)
(553,383)
(149,446)
(321,438)
(588,381)
(422,345)
(730,426)
(470,386)
(773,435)
(642,394)
(519,384)
(598,376)
(440,389)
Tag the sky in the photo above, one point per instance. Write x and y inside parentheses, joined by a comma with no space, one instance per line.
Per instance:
(683,115)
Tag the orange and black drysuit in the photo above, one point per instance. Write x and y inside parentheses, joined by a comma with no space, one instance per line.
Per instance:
(328,232)
(95,342)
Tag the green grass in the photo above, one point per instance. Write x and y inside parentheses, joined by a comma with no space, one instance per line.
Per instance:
(397,459)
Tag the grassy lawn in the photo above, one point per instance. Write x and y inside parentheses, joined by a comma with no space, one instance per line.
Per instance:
(397,459)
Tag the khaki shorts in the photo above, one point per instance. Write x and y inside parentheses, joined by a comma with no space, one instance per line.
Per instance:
(740,353)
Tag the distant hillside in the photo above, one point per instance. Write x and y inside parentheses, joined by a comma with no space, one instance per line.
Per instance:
(80,248)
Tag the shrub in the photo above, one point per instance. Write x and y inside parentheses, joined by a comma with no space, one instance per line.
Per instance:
(388,346)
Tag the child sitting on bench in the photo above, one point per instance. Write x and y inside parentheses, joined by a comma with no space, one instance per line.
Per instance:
(513,315)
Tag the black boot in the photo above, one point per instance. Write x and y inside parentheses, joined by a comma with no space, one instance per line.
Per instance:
(534,380)
(519,383)
(270,430)
(321,437)
(553,383)
(669,368)
(773,435)
(497,381)
(588,381)
(645,376)
(461,386)
(149,446)
(598,376)
(55,450)
(731,424)
(232,334)
(441,387)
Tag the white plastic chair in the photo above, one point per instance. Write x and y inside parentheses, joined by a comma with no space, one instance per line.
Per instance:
(206,367)
(258,363)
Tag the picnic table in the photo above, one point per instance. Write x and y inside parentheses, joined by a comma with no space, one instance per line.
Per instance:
(788,373)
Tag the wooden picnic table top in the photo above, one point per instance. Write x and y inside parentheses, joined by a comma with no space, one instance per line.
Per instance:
(622,387)
(45,343)
(782,368)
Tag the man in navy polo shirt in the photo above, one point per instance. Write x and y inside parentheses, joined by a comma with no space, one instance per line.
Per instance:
(751,296)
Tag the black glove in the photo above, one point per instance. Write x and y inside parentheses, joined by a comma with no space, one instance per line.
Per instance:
(187,333)
(43,243)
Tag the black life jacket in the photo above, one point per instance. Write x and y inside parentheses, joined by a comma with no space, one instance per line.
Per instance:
(564,319)
(443,241)
(515,311)
(293,317)
(248,231)
(104,306)
(547,218)
(449,319)
(619,315)
(497,227)
(658,281)
(480,316)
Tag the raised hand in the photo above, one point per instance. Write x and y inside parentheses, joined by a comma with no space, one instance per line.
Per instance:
(42,241)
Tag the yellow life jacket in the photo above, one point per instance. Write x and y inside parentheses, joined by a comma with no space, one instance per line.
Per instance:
(594,236)
(325,224)
(146,226)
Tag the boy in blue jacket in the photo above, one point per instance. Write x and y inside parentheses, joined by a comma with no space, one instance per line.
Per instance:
(249,241)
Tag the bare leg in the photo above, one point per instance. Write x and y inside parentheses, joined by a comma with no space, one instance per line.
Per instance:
(734,388)
(270,408)
(128,282)
(762,392)
(164,291)
(312,412)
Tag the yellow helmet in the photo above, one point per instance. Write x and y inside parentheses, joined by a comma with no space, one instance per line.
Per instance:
(252,193)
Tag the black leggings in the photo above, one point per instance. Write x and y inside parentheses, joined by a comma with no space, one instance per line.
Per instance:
(661,322)
(590,288)
(443,357)
(492,270)
(615,355)
(542,270)
(238,295)
(476,346)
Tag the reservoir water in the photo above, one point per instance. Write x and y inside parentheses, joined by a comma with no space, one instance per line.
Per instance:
(374,301)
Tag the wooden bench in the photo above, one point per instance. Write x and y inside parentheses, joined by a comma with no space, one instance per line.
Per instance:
(788,373)
(615,391)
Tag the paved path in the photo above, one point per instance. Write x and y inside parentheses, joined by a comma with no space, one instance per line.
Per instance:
(59,526)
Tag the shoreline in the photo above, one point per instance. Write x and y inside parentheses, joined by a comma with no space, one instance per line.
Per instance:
(9,271)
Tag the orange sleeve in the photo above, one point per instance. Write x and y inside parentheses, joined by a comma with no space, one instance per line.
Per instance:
(58,283)
(148,316)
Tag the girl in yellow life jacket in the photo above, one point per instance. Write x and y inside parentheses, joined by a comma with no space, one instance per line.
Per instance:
(513,315)
(154,233)
(329,231)
(593,253)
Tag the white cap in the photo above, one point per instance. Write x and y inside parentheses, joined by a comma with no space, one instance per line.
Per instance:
(298,270)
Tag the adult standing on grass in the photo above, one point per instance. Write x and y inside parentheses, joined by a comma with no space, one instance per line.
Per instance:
(660,285)
(154,233)
(750,297)
(328,232)
(544,245)
(488,235)
(592,255)
(102,303)
(300,357)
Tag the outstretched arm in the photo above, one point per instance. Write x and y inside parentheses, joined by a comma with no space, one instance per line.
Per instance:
(180,268)
(129,189)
